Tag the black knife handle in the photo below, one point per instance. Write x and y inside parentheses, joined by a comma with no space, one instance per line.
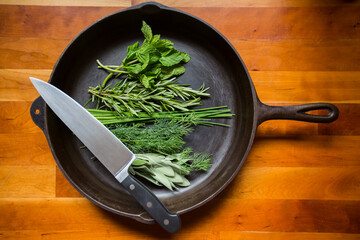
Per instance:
(169,221)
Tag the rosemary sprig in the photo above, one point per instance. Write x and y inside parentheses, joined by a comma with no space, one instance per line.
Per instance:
(131,96)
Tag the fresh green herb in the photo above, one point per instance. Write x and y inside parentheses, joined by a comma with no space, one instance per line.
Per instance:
(200,116)
(131,97)
(170,170)
(155,60)
(164,136)
(150,112)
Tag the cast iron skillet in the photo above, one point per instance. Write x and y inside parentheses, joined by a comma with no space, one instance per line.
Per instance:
(214,61)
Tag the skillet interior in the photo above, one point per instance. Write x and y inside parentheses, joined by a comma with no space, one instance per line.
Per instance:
(214,62)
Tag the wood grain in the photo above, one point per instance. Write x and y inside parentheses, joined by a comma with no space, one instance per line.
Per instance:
(272,86)
(292,86)
(235,235)
(27,181)
(258,55)
(187,3)
(304,151)
(52,215)
(300,180)
(117,3)
(299,55)
(251,3)
(30,149)
(254,23)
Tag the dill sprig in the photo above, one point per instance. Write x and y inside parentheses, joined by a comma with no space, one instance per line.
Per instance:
(164,136)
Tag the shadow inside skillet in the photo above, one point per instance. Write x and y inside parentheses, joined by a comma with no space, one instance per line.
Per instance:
(213,62)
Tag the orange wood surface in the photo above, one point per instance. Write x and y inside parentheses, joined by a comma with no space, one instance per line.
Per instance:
(300,180)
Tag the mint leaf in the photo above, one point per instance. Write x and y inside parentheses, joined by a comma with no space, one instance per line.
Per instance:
(142,57)
(163,43)
(146,30)
(131,52)
(155,39)
(186,57)
(172,59)
(168,72)
(134,69)
(154,57)
(147,81)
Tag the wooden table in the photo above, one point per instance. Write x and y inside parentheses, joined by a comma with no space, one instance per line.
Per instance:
(300,181)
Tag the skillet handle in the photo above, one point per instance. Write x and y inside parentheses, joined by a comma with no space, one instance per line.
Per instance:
(37,112)
(298,112)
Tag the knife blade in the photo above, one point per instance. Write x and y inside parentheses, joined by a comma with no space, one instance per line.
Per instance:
(107,148)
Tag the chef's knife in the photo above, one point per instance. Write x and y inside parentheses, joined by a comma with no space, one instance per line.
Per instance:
(107,148)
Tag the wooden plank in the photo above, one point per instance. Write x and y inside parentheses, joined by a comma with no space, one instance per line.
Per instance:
(33,53)
(93,3)
(241,235)
(49,22)
(27,181)
(186,3)
(304,151)
(235,23)
(316,183)
(63,187)
(63,214)
(347,124)
(299,55)
(205,234)
(258,55)
(15,84)
(291,86)
(282,23)
(251,3)
(20,149)
(108,235)
(15,118)
(271,86)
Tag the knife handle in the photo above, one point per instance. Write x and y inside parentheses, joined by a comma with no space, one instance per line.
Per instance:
(169,221)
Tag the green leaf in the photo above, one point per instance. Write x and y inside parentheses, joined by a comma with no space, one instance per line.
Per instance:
(134,68)
(159,176)
(184,182)
(177,178)
(148,177)
(155,39)
(168,72)
(146,30)
(147,81)
(166,170)
(138,162)
(163,43)
(172,59)
(142,57)
(168,51)
(131,53)
(154,57)
(186,57)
